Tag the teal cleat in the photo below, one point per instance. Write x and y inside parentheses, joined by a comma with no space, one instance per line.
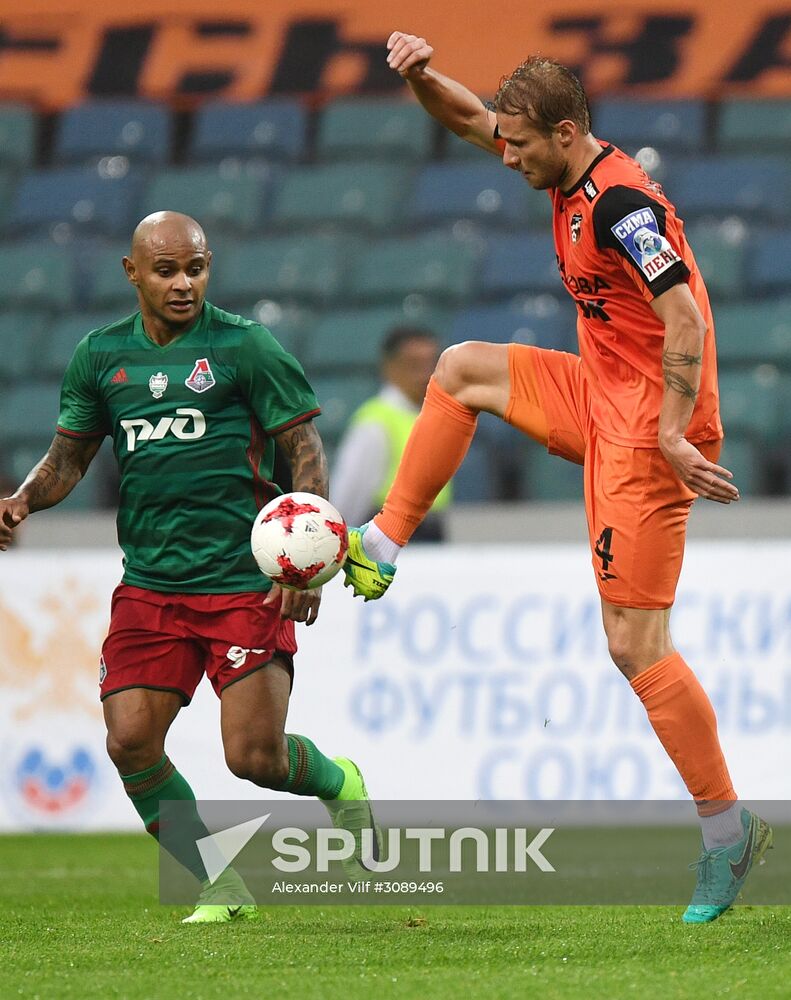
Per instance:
(352,811)
(226,900)
(722,871)
(366,577)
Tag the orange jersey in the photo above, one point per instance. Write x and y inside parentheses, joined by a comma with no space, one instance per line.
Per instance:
(619,245)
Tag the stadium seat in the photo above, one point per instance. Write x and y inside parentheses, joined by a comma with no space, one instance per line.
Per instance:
(433,265)
(20,330)
(550,477)
(86,199)
(362,195)
(666,125)
(289,325)
(374,128)
(476,481)
(353,338)
(768,267)
(221,199)
(753,401)
(720,250)
(103,281)
(486,192)
(62,336)
(756,187)
(748,125)
(29,411)
(286,269)
(339,396)
(541,320)
(459,149)
(8,184)
(137,130)
(515,264)
(273,129)
(17,136)
(742,456)
(752,332)
(35,275)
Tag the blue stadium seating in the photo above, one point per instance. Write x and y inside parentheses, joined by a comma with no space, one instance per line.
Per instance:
(135,129)
(374,128)
(516,264)
(36,275)
(769,261)
(542,320)
(17,136)
(274,129)
(20,333)
(666,125)
(433,265)
(757,187)
(81,198)
(486,192)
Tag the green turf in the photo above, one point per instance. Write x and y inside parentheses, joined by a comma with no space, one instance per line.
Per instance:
(79,918)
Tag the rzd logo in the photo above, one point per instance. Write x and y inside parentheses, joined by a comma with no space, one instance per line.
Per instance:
(186,426)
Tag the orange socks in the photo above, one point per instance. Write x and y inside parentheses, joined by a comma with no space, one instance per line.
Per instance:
(435,449)
(683,718)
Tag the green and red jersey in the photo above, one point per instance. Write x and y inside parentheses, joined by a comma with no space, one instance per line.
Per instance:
(192,424)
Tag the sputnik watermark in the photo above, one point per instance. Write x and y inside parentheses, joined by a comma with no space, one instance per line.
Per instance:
(500,850)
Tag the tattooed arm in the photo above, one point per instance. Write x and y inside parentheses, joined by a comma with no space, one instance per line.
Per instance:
(49,482)
(682,358)
(305,454)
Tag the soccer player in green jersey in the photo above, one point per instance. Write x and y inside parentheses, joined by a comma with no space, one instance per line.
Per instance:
(195,400)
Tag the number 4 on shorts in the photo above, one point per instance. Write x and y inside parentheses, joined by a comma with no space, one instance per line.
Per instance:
(604,551)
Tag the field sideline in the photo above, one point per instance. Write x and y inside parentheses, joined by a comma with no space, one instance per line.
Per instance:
(80,918)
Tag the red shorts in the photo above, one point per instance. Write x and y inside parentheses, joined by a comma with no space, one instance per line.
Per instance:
(169,641)
(636,506)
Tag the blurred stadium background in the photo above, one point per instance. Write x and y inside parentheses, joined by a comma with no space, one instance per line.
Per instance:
(334,215)
(335,207)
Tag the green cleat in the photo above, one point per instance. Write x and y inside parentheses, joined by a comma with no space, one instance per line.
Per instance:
(722,871)
(226,900)
(366,577)
(352,811)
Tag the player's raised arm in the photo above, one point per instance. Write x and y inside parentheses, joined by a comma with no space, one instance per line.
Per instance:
(682,359)
(49,482)
(451,103)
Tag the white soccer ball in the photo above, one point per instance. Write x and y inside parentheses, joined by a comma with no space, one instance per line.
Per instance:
(299,540)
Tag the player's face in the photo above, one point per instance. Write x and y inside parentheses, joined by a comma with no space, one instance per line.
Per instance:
(540,158)
(171,275)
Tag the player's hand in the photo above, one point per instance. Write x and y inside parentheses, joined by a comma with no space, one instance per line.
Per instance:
(295,605)
(408,54)
(11,513)
(708,480)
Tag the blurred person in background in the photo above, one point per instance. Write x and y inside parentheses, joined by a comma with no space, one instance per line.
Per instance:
(638,408)
(371,448)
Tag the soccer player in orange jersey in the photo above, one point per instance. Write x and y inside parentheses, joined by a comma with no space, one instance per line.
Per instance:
(638,408)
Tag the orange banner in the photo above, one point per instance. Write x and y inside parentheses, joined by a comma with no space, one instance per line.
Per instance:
(56,52)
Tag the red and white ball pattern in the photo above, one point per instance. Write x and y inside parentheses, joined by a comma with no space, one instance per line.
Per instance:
(299,540)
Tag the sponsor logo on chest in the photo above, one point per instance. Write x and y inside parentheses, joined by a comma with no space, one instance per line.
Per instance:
(202,377)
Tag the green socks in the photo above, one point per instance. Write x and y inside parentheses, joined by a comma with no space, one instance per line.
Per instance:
(310,772)
(163,781)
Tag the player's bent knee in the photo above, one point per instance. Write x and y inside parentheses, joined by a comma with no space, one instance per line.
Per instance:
(132,749)
(266,766)
(474,373)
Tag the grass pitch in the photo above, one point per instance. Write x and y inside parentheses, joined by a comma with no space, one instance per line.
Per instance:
(79,918)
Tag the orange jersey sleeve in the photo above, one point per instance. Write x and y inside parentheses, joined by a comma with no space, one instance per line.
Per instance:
(619,245)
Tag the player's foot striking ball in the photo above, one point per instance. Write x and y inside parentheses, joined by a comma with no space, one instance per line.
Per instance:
(367,577)
(722,871)
(351,811)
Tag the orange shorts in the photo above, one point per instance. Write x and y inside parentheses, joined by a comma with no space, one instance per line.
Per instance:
(636,506)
